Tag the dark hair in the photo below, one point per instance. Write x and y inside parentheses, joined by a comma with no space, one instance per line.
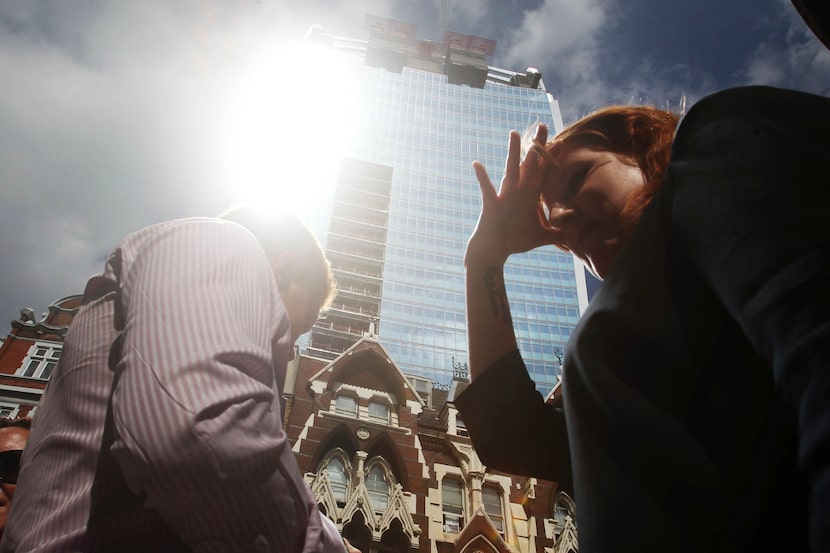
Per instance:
(6,422)
(284,232)
(640,134)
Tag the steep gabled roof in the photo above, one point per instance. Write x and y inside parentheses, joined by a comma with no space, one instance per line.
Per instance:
(480,535)
(368,361)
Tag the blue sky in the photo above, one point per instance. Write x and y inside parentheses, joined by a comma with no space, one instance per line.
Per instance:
(114,114)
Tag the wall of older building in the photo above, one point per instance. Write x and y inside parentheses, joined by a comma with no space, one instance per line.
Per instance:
(396,458)
(29,353)
(422,447)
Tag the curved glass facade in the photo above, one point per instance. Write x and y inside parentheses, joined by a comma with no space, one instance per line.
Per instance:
(429,132)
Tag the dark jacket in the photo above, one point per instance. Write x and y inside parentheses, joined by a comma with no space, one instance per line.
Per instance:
(697,384)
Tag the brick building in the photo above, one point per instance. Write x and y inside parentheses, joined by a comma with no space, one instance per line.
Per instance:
(386,455)
(29,353)
(389,459)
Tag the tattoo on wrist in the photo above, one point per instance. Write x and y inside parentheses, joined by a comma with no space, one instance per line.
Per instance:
(494,281)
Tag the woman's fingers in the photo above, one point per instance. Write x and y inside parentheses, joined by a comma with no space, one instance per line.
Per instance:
(488,191)
(511,167)
(532,171)
(523,180)
(541,137)
(515,168)
(513,219)
(532,168)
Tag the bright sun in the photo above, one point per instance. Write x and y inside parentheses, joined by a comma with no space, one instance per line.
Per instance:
(287,127)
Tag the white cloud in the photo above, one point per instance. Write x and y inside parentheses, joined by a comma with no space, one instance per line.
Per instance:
(560,38)
(560,29)
(803,63)
(112,120)
(472,12)
(566,39)
(112,111)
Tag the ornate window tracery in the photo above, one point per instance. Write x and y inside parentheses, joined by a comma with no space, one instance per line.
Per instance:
(377,485)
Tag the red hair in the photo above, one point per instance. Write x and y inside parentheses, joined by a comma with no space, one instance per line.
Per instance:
(640,134)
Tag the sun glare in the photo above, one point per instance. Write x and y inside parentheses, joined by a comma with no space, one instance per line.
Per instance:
(287,126)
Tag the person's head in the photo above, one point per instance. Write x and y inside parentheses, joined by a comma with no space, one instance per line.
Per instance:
(14,433)
(300,267)
(603,170)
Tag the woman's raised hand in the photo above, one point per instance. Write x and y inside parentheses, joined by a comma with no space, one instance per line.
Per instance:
(512,219)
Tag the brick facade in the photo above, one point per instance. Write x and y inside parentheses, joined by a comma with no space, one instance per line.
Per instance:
(396,448)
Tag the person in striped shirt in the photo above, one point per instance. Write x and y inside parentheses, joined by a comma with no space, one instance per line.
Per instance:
(160,429)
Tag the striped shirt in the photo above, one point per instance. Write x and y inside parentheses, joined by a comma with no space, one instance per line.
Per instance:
(160,429)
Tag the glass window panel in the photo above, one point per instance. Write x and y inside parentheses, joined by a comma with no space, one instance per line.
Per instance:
(452,505)
(338,479)
(47,371)
(492,506)
(40,362)
(346,405)
(378,410)
(378,488)
(33,365)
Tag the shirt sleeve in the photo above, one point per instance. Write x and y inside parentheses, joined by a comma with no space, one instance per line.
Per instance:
(751,198)
(203,348)
(511,426)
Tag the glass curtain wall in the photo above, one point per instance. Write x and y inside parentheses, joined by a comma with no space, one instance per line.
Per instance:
(429,132)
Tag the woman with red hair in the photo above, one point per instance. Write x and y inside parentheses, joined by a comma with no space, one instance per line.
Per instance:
(694,412)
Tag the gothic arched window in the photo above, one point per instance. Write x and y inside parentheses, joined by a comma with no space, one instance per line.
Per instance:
(338,479)
(563,508)
(377,486)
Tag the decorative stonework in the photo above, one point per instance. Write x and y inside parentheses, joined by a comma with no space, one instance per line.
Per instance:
(378,522)
(568,541)
(363,433)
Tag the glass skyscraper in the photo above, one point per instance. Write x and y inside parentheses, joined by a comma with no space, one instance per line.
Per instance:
(409,194)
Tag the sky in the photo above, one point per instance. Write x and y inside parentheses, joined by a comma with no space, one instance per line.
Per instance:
(116,115)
